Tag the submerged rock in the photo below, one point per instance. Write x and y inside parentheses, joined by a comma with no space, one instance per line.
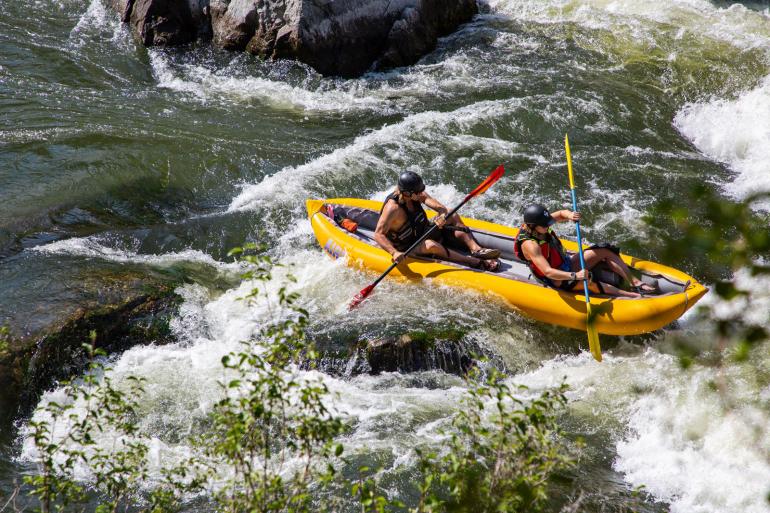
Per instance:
(130,313)
(336,37)
(449,351)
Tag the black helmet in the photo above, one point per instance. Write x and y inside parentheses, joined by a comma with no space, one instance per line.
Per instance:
(409,181)
(538,215)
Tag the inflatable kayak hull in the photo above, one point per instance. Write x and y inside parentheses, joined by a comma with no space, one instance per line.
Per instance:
(514,285)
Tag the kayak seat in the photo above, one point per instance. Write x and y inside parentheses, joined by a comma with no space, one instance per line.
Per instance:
(366,219)
(510,267)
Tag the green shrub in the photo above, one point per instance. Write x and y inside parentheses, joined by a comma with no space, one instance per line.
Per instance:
(270,446)
(501,451)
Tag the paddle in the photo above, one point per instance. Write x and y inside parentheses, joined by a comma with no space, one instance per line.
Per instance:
(481,189)
(593,335)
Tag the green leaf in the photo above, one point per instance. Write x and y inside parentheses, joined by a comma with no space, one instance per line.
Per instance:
(742,351)
(727,290)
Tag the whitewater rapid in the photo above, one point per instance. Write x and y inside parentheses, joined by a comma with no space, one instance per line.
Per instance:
(664,428)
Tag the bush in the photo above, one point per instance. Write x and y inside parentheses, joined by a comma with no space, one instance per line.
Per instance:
(271,444)
(272,427)
(502,450)
(735,236)
(93,405)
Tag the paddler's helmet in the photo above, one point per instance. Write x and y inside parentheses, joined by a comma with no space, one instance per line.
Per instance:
(409,181)
(538,215)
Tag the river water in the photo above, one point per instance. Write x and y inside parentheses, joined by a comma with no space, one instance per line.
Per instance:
(113,156)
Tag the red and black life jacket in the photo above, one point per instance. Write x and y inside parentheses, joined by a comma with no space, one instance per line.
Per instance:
(552,250)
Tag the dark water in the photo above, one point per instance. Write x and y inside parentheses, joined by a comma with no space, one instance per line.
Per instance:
(117,159)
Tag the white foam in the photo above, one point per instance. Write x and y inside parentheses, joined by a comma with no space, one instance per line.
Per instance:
(686,450)
(671,430)
(206,84)
(383,150)
(94,247)
(642,20)
(95,17)
(735,132)
(182,379)
(384,93)
(99,23)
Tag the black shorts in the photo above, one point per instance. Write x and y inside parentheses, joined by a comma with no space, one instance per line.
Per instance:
(444,236)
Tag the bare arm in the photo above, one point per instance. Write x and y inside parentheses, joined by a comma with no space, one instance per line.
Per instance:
(433,203)
(383,227)
(532,252)
(565,215)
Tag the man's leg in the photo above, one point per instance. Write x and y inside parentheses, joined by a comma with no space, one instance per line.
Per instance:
(593,257)
(466,238)
(433,248)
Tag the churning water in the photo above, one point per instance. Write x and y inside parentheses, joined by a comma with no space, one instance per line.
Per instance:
(112,155)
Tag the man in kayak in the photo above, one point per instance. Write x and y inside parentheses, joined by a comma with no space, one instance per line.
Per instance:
(542,250)
(403,221)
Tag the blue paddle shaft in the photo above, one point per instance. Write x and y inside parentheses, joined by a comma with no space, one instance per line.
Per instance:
(580,245)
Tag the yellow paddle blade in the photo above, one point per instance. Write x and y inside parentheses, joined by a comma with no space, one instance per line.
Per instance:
(593,336)
(569,162)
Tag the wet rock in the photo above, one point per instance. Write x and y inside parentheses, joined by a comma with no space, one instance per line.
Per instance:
(130,313)
(165,22)
(336,37)
(448,351)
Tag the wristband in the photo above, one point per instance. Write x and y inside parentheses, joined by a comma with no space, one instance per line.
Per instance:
(572,276)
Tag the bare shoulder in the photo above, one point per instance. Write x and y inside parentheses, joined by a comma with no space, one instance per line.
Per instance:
(389,214)
(530,247)
(390,208)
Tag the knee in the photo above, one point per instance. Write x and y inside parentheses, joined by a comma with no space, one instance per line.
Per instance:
(604,253)
(432,246)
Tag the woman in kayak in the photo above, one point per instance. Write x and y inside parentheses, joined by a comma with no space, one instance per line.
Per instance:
(403,221)
(542,250)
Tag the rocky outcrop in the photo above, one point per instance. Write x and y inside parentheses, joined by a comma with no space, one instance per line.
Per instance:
(336,37)
(165,22)
(32,363)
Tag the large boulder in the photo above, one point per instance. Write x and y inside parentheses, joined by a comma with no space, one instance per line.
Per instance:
(165,22)
(336,37)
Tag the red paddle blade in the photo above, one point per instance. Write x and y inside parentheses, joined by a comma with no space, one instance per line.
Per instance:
(486,184)
(361,296)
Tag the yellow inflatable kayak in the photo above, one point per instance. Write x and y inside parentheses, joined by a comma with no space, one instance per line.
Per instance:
(514,282)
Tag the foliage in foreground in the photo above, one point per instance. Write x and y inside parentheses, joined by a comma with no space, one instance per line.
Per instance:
(737,237)
(270,444)
(272,427)
(66,438)
(501,451)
